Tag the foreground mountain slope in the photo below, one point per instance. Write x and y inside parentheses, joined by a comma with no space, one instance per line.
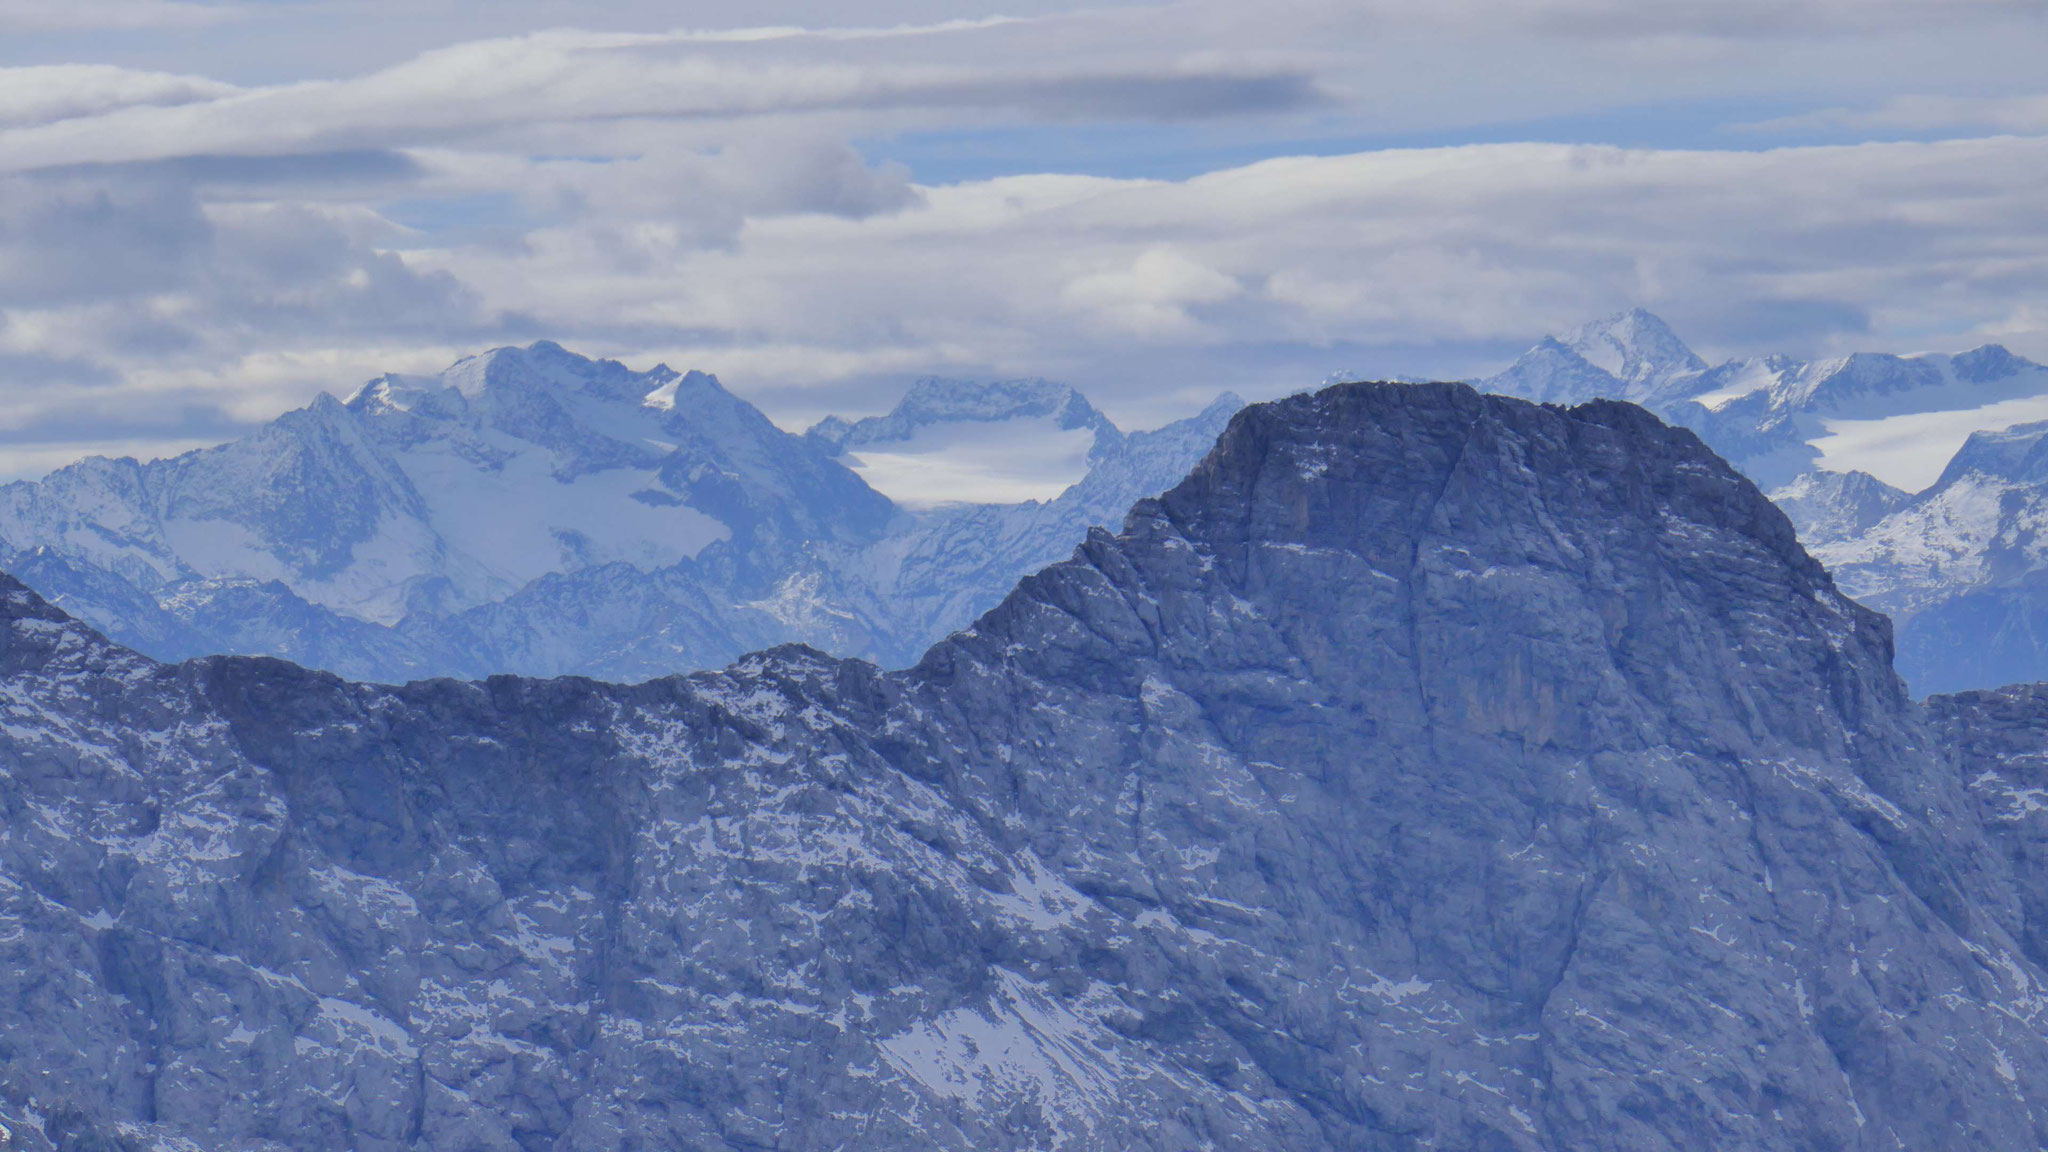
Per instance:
(1427,770)
(1998,741)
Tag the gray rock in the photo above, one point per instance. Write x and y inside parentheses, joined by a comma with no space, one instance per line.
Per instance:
(1427,770)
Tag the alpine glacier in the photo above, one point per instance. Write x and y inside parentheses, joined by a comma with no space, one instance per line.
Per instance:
(1427,770)
(950,441)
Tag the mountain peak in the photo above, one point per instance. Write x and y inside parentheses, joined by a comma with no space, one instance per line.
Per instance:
(1553,372)
(935,400)
(37,635)
(1988,362)
(2018,454)
(1829,506)
(1635,346)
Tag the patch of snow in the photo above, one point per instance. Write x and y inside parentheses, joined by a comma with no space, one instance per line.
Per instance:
(355,1027)
(1909,450)
(222,548)
(1038,897)
(519,522)
(1024,1045)
(996,462)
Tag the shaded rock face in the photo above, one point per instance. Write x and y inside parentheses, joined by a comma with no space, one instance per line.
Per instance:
(1999,744)
(1427,770)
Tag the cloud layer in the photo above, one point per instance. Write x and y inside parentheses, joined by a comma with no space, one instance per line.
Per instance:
(187,252)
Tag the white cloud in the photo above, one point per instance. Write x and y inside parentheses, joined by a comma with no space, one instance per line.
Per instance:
(1177,284)
(1437,246)
(207,251)
(506,87)
(43,93)
(1150,296)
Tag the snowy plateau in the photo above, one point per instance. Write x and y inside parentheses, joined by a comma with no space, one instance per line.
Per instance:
(1916,479)
(1426,770)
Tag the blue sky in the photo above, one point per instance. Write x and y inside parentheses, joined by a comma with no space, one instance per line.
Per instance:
(209,212)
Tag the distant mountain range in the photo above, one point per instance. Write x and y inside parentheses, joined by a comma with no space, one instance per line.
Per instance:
(530,510)
(1955,562)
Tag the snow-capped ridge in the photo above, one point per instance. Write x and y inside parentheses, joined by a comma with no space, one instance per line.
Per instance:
(543,365)
(473,483)
(2018,454)
(530,509)
(1777,416)
(935,400)
(1553,372)
(1988,362)
(952,441)
(1828,506)
(1635,347)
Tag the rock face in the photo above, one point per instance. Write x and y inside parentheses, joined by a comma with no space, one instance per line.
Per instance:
(1999,743)
(1428,769)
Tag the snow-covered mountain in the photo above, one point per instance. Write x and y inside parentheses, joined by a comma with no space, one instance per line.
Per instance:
(1906,474)
(1630,355)
(1828,506)
(1962,566)
(531,510)
(1426,770)
(452,491)
(951,563)
(1895,417)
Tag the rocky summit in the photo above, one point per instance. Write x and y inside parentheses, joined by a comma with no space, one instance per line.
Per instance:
(1427,770)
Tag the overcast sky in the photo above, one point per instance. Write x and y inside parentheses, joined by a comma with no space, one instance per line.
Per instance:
(209,212)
